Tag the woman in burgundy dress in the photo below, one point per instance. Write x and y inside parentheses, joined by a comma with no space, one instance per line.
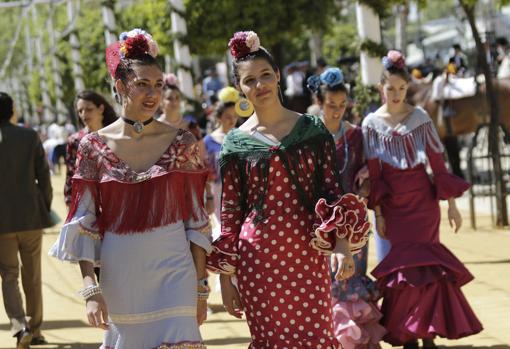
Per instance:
(93,112)
(420,278)
(355,314)
(279,176)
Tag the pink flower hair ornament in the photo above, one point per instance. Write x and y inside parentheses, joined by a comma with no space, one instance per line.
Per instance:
(394,59)
(243,43)
(171,80)
(131,45)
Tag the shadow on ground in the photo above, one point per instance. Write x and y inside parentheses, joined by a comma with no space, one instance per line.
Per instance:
(227,341)
(53,325)
(500,346)
(504,261)
(64,346)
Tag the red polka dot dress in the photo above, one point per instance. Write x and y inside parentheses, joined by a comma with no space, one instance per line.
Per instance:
(268,238)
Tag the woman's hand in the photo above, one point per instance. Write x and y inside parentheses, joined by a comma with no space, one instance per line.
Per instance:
(343,263)
(97,312)
(454,217)
(230,296)
(201,311)
(380,226)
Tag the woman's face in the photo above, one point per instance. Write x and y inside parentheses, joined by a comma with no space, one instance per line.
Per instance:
(171,101)
(259,82)
(141,95)
(89,113)
(334,105)
(394,90)
(228,119)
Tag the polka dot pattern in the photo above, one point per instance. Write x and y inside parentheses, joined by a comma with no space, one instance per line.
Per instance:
(284,283)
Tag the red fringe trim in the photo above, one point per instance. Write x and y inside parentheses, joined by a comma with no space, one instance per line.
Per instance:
(126,208)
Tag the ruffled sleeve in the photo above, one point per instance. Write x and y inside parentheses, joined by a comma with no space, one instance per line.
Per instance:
(80,236)
(197,227)
(224,256)
(379,189)
(343,217)
(447,185)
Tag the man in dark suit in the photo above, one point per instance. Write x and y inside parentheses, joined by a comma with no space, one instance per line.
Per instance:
(25,200)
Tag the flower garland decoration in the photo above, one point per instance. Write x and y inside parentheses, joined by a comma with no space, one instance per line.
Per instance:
(330,77)
(373,48)
(394,59)
(243,43)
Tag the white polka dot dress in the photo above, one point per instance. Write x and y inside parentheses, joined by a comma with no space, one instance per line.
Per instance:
(283,282)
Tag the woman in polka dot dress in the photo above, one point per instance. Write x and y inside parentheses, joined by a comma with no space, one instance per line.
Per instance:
(279,174)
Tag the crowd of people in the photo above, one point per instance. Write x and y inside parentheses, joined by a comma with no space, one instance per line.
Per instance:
(274,200)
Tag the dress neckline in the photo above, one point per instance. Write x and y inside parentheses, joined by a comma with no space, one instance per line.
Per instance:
(125,164)
(280,141)
(399,124)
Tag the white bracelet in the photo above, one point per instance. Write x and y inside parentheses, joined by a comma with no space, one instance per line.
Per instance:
(89,291)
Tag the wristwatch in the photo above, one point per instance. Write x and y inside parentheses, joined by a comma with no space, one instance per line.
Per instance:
(203,283)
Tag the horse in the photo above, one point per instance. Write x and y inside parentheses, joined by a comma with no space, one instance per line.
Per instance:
(464,114)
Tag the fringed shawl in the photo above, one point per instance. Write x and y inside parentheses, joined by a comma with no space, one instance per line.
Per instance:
(404,146)
(130,202)
(309,136)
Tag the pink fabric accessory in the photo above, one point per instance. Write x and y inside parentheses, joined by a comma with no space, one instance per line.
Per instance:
(243,43)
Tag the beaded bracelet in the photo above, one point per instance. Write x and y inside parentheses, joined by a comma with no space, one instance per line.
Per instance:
(203,296)
(89,291)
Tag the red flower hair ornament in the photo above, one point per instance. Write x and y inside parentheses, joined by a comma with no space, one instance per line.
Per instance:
(131,45)
(243,43)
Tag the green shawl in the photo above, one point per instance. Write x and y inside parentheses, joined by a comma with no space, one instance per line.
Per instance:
(308,135)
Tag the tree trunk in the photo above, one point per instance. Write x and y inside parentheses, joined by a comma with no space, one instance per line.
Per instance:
(492,101)
(369,29)
(181,50)
(401,27)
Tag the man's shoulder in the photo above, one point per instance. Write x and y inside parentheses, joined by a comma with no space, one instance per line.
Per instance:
(21,133)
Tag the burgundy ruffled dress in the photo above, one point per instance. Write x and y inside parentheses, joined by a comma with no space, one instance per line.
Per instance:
(355,313)
(276,228)
(420,278)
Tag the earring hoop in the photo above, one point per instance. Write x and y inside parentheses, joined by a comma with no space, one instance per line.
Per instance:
(244,108)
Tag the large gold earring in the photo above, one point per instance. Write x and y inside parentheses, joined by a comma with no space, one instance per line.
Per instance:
(244,108)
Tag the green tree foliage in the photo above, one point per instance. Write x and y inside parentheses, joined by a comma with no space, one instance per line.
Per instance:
(212,23)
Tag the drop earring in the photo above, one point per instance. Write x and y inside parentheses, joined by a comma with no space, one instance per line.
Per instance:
(244,108)
(280,94)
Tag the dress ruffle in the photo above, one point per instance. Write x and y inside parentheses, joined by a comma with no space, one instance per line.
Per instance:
(224,256)
(419,264)
(346,219)
(421,294)
(358,287)
(357,324)
(449,186)
(78,242)
(436,309)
